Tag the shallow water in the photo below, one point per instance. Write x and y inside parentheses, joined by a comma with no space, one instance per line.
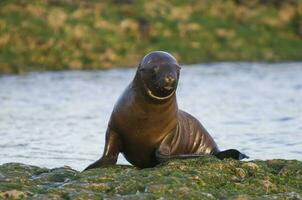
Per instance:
(53,119)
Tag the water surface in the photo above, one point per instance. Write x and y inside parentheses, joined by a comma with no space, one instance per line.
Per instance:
(53,119)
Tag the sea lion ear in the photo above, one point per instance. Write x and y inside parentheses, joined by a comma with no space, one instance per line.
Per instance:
(140,67)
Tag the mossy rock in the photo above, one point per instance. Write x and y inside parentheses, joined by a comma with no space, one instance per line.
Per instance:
(204,178)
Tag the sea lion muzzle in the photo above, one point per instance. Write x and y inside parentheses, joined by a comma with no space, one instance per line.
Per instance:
(160,80)
(169,82)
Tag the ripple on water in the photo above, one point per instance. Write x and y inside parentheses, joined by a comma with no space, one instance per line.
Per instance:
(53,119)
(283,119)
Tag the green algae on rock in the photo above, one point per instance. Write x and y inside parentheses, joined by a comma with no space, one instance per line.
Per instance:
(203,178)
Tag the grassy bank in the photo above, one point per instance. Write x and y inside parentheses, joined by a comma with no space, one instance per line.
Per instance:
(204,178)
(55,35)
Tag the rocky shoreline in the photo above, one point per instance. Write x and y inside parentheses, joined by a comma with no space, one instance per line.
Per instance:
(204,178)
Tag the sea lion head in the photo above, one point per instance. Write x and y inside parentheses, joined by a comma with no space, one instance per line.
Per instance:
(159,73)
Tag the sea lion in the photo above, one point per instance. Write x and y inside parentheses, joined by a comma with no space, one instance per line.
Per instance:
(146,125)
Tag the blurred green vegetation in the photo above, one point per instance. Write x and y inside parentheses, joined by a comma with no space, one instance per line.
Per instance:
(75,34)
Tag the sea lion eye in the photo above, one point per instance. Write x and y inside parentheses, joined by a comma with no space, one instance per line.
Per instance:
(155,69)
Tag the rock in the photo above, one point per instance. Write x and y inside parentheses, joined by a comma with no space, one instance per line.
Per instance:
(202,178)
(250,165)
(240,172)
(12,194)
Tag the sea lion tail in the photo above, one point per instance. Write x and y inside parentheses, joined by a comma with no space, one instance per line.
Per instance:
(231,153)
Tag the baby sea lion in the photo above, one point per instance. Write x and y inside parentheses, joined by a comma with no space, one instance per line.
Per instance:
(146,125)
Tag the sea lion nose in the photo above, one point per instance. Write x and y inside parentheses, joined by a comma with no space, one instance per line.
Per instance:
(169,79)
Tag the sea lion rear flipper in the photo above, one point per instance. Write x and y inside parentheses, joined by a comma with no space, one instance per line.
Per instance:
(111,151)
(231,153)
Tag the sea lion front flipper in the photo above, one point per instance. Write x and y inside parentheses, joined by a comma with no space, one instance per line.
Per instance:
(231,153)
(111,151)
